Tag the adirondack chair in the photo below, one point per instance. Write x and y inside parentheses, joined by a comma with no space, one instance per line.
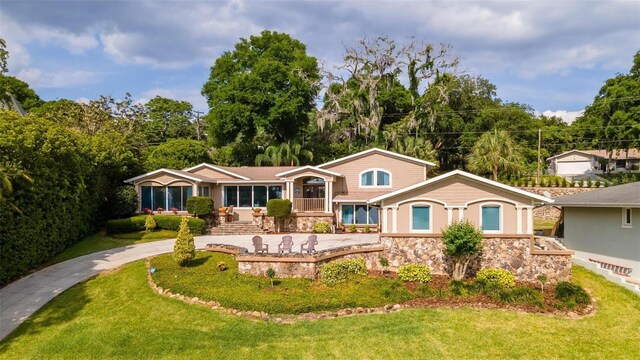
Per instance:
(285,244)
(258,245)
(311,243)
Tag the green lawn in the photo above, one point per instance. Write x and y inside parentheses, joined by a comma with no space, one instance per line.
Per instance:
(102,241)
(289,296)
(117,315)
(542,224)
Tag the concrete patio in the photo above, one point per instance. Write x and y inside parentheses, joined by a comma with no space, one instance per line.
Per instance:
(22,298)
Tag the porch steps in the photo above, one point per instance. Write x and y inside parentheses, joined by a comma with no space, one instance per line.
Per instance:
(236,228)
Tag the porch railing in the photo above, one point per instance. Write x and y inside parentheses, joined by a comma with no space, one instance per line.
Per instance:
(308,204)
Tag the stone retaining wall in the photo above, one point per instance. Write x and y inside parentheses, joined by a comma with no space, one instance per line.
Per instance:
(297,265)
(511,253)
(550,212)
(301,222)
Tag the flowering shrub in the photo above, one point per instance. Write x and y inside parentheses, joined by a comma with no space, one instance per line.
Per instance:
(321,227)
(341,271)
(414,272)
(497,277)
(174,210)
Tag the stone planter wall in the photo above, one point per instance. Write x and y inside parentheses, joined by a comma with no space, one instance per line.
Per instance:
(297,265)
(550,212)
(510,253)
(301,222)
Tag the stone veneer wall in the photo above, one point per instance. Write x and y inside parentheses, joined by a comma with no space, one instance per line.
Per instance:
(550,212)
(510,253)
(294,223)
(297,265)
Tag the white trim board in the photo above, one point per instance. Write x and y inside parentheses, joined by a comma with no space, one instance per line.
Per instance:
(380,151)
(215,168)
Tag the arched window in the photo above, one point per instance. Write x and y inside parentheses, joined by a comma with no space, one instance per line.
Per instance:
(375,178)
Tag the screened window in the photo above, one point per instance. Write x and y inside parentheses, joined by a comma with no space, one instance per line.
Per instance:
(251,196)
(366,179)
(626,217)
(421,217)
(375,177)
(491,218)
(359,215)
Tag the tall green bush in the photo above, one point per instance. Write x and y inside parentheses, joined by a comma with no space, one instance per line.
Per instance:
(279,209)
(123,202)
(462,242)
(184,249)
(200,205)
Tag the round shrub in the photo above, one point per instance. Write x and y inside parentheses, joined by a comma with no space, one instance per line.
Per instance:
(200,205)
(414,272)
(123,202)
(340,271)
(496,277)
(570,294)
(321,227)
(279,208)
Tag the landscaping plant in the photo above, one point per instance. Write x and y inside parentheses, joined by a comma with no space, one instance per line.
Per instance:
(414,272)
(353,229)
(185,249)
(222,266)
(498,277)
(279,209)
(149,224)
(569,295)
(137,223)
(384,262)
(462,243)
(271,274)
(341,270)
(321,227)
(200,206)
(542,279)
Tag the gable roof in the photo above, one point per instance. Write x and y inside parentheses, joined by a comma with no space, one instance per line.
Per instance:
(178,173)
(309,168)
(379,151)
(468,176)
(627,195)
(615,154)
(216,168)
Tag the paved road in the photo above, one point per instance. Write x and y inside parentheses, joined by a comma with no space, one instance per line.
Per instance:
(23,297)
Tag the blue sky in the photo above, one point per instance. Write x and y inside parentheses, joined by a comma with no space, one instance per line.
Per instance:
(553,55)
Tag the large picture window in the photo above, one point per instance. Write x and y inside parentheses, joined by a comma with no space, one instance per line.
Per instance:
(251,196)
(359,215)
(421,218)
(375,178)
(156,197)
(490,218)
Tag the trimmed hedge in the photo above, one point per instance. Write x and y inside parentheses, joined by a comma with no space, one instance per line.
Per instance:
(279,208)
(341,270)
(136,223)
(200,205)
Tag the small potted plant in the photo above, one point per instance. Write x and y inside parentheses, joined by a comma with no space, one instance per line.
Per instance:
(174,210)
(222,266)
(159,210)
(256,211)
(222,210)
(147,211)
(353,228)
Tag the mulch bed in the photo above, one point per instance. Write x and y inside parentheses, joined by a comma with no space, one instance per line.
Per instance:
(441,282)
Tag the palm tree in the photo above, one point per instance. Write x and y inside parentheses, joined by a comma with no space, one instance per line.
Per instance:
(416,147)
(495,152)
(285,153)
(6,185)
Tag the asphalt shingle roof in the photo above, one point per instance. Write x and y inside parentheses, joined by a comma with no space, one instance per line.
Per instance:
(627,195)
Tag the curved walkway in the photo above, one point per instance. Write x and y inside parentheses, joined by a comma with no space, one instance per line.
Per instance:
(22,298)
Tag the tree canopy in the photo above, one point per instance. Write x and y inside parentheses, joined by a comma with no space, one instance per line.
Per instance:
(177,154)
(168,119)
(261,91)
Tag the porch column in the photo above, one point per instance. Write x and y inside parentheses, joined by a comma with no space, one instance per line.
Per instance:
(529,220)
(518,220)
(384,219)
(394,219)
(328,198)
(194,190)
(460,213)
(289,190)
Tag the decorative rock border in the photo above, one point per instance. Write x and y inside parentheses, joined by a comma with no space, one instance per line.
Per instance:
(261,315)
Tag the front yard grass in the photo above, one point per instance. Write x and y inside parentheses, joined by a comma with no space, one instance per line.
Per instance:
(117,315)
(101,241)
(543,224)
(289,296)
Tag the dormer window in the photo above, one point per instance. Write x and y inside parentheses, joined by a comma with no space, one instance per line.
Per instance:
(375,178)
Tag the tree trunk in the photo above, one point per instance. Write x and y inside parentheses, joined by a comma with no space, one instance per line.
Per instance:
(495,173)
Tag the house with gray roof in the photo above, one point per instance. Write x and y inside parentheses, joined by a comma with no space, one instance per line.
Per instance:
(603,226)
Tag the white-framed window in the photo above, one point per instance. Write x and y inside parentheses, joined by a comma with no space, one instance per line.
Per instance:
(375,178)
(627,215)
(421,218)
(491,218)
(359,214)
(165,197)
(248,196)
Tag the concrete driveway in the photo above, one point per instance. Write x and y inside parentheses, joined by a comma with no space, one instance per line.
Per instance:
(23,297)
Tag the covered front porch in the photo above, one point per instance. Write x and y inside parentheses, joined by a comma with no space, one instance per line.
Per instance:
(310,189)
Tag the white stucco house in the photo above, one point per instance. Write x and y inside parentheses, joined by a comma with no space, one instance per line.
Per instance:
(603,226)
(585,162)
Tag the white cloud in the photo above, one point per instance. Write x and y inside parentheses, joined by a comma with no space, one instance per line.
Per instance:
(567,116)
(57,79)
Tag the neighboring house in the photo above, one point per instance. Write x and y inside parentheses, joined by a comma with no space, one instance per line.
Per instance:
(584,162)
(350,191)
(603,225)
